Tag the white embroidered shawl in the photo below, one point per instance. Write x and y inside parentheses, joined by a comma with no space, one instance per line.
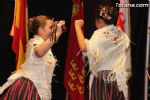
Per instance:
(106,51)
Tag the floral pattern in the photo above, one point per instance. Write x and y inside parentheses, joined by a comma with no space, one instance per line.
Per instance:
(113,34)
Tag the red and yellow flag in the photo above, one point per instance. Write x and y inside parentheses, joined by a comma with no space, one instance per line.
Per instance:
(74,69)
(19,30)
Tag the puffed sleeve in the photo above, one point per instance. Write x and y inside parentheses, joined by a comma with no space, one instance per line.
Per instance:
(30,54)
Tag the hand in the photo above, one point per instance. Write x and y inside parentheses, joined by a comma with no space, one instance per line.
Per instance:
(52,41)
(79,23)
(59,26)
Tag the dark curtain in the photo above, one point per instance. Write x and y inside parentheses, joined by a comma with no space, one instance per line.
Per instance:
(7,60)
(61,9)
(139,20)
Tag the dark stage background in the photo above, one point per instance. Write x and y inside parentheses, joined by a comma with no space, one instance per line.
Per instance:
(61,9)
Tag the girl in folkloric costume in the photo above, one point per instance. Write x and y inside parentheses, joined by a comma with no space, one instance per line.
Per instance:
(106,54)
(33,81)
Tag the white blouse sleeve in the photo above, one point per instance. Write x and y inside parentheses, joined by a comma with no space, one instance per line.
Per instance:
(30,54)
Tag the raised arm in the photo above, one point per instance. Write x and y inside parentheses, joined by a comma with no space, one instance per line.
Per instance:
(47,44)
(80,36)
(44,47)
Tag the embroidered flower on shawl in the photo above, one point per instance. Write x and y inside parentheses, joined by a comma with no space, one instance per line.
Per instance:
(113,34)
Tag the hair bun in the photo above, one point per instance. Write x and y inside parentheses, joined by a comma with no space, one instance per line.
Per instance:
(30,24)
(107,13)
(36,22)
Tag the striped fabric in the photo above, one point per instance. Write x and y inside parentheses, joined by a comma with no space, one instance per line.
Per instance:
(21,89)
(105,90)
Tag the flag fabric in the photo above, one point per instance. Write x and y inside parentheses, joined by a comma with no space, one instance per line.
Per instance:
(124,23)
(19,31)
(74,69)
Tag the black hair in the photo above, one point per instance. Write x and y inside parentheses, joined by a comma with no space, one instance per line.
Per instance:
(107,13)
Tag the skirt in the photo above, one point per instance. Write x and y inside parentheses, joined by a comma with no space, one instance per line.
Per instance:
(21,89)
(105,90)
